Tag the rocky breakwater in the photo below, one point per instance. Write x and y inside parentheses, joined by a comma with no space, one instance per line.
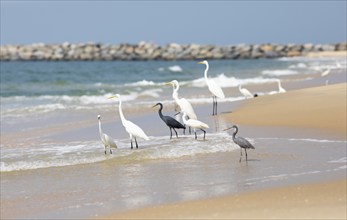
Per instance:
(149,51)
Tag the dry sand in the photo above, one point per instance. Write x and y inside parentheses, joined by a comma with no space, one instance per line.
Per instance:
(321,108)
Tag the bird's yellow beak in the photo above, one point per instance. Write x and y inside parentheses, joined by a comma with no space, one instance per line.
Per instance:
(111,97)
(227,129)
(201,62)
(168,83)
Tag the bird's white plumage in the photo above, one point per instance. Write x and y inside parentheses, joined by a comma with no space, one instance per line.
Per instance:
(183,103)
(215,89)
(132,129)
(106,140)
(280,88)
(326,72)
(245,92)
(196,124)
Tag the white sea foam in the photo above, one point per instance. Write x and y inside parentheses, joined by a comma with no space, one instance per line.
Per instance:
(175,68)
(53,155)
(284,72)
(141,83)
(224,81)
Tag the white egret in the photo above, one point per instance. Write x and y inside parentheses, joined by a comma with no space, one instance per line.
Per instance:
(242,142)
(132,129)
(195,124)
(247,94)
(181,102)
(214,89)
(326,72)
(280,89)
(105,139)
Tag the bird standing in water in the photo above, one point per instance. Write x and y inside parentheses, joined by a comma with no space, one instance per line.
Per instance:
(169,121)
(242,142)
(107,141)
(133,130)
(214,88)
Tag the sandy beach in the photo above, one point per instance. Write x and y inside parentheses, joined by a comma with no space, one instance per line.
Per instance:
(321,109)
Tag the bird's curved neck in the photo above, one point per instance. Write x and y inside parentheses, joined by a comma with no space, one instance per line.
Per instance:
(206,70)
(160,111)
(175,92)
(235,132)
(121,112)
(279,85)
(100,130)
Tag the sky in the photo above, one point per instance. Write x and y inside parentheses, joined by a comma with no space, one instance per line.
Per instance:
(163,22)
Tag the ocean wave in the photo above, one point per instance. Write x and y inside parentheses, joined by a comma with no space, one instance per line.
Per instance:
(225,82)
(45,156)
(284,72)
(175,68)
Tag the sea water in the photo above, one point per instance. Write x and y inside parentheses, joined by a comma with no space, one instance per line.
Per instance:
(36,91)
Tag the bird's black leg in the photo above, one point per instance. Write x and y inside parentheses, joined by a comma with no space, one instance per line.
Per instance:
(137,146)
(195,135)
(110,151)
(204,133)
(184,131)
(175,132)
(170,133)
(131,142)
(213,105)
(190,132)
(105,150)
(216,105)
(246,153)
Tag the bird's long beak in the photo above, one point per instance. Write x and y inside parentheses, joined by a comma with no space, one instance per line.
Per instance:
(154,105)
(168,83)
(111,97)
(201,62)
(227,129)
(177,113)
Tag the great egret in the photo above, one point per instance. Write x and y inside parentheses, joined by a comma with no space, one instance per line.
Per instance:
(169,121)
(105,139)
(280,89)
(195,124)
(181,102)
(247,94)
(132,129)
(214,89)
(242,142)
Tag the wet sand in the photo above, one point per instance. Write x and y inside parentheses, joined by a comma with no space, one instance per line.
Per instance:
(321,110)
(314,201)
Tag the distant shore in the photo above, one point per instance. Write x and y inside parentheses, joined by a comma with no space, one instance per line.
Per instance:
(149,51)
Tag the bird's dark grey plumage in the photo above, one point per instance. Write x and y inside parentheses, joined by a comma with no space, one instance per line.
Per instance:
(169,121)
(242,142)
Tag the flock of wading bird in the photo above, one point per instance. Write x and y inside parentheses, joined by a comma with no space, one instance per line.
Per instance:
(189,117)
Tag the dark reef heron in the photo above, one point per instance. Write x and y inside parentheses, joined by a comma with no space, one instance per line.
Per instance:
(169,121)
(242,142)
